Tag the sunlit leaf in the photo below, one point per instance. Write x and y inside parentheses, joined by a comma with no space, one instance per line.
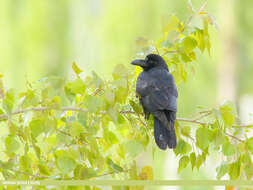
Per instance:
(65,164)
(228,113)
(170,24)
(221,171)
(228,149)
(9,100)
(182,147)
(11,144)
(120,71)
(234,170)
(76,129)
(183,162)
(189,44)
(76,69)
(193,159)
(203,136)
(97,80)
(114,166)
(249,144)
(133,148)
(93,103)
(136,107)
(146,173)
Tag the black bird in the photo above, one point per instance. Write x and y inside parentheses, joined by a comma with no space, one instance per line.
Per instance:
(158,94)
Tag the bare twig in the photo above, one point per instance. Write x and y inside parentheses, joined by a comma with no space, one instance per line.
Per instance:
(234,137)
(111,173)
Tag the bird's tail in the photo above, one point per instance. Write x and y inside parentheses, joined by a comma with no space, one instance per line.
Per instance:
(163,136)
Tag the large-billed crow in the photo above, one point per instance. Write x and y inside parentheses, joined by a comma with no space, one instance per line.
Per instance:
(157,92)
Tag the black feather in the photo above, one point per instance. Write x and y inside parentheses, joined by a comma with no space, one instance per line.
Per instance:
(158,96)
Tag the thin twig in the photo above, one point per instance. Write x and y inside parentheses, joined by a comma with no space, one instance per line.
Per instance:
(191,121)
(203,116)
(111,173)
(28,174)
(234,137)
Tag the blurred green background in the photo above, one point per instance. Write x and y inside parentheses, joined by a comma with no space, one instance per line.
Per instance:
(42,38)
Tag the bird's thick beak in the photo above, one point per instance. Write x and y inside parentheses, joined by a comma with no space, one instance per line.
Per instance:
(139,62)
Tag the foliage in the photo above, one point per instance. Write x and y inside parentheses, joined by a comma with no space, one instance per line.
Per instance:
(93,128)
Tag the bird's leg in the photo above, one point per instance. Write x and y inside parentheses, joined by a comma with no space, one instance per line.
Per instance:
(160,115)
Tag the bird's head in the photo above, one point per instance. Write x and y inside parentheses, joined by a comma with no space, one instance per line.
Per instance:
(151,61)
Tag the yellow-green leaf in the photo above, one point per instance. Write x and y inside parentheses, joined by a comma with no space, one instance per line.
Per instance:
(147,173)
(76,69)
(170,24)
(183,162)
(189,44)
(11,144)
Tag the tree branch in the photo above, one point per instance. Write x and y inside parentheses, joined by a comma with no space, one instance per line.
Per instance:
(5,116)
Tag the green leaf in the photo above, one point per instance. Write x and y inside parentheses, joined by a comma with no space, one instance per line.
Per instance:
(120,71)
(218,137)
(9,100)
(136,107)
(221,171)
(146,173)
(75,87)
(199,161)
(234,170)
(193,159)
(200,39)
(11,144)
(249,171)
(97,80)
(37,127)
(170,24)
(76,69)
(114,166)
(51,140)
(228,113)
(25,163)
(189,44)
(110,137)
(120,83)
(183,162)
(182,147)
(83,118)
(65,164)
(37,150)
(228,149)
(133,148)
(82,172)
(121,94)
(44,169)
(30,99)
(55,103)
(186,131)
(249,144)
(203,136)
(185,59)
(76,129)
(113,113)
(93,103)
(109,96)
